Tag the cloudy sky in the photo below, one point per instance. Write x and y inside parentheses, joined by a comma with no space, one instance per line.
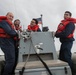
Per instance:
(52,11)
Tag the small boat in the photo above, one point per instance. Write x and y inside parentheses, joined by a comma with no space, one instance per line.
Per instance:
(38,56)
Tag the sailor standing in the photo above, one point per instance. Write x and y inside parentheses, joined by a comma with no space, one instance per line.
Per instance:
(7,34)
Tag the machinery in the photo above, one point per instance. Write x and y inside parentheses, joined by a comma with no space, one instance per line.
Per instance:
(38,56)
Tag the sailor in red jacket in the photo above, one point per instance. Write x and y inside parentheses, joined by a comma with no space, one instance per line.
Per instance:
(7,34)
(65,32)
(34,26)
(17,25)
(18,29)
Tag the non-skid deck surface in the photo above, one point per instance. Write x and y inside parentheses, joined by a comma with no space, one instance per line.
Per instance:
(38,64)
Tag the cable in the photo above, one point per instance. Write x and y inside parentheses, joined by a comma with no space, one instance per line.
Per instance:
(24,66)
(45,65)
(15,9)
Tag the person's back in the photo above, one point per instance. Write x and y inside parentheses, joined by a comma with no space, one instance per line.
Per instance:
(7,34)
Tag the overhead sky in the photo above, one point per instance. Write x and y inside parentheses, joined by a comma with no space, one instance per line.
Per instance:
(52,11)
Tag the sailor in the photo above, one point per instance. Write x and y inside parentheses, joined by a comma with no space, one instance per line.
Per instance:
(7,34)
(65,32)
(18,30)
(17,25)
(34,26)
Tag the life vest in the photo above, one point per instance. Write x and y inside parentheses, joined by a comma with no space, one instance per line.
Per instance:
(2,31)
(33,28)
(17,28)
(63,24)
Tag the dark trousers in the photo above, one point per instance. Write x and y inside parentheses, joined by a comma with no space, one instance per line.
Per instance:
(16,59)
(65,53)
(7,46)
